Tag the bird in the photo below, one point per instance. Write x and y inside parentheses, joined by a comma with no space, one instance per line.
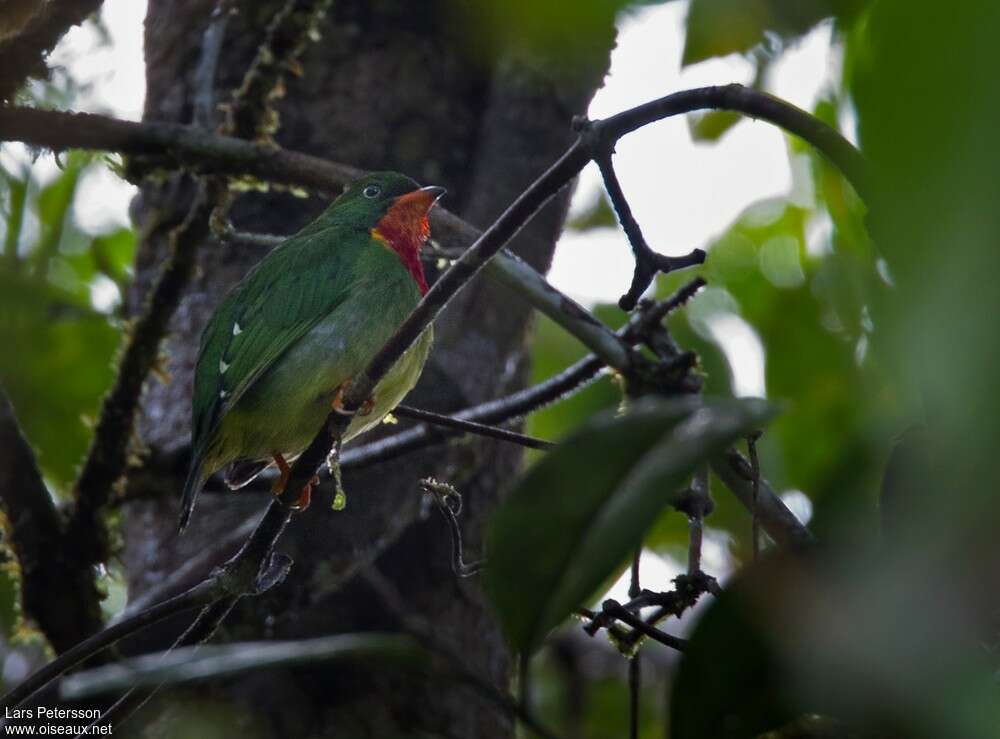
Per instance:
(284,343)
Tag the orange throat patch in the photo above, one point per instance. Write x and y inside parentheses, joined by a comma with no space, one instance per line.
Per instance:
(404,229)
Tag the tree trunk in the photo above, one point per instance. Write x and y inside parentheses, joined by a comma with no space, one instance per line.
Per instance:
(389,85)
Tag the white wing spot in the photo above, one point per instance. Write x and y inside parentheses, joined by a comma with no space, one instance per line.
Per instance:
(223,394)
(237,330)
(223,366)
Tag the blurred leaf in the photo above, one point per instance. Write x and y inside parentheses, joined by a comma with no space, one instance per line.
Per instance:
(17,189)
(576,515)
(712,126)
(114,253)
(208,662)
(553,351)
(721,27)
(53,205)
(59,371)
(819,633)
(598,214)
(580,34)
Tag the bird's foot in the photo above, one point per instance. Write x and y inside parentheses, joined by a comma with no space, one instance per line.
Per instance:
(338,402)
(305,497)
(283,467)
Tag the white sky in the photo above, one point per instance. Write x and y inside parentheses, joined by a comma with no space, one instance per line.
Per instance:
(682,193)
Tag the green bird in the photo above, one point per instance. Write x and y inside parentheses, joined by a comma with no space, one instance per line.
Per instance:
(288,338)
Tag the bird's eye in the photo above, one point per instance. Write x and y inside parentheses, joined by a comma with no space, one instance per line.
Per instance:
(372,191)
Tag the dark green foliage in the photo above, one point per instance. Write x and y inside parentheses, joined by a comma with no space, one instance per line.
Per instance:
(720,27)
(59,347)
(578,513)
(794,636)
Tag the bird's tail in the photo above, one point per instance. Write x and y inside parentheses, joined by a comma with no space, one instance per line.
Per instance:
(192,486)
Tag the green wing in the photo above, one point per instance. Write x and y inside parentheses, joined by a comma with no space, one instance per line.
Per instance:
(279,301)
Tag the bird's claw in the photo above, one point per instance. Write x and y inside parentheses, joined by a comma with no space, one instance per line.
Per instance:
(305,496)
(338,402)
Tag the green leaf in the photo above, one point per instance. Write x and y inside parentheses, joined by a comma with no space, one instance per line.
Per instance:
(60,370)
(17,186)
(577,514)
(712,126)
(835,633)
(598,214)
(554,350)
(721,27)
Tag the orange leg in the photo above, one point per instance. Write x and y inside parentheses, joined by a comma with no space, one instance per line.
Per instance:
(305,496)
(338,401)
(279,485)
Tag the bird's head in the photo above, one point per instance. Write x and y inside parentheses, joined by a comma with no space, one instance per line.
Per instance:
(387,198)
(394,209)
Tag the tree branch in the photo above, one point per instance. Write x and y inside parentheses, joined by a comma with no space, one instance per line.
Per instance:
(245,573)
(193,664)
(250,114)
(647,262)
(513,406)
(775,518)
(23,55)
(198,596)
(190,147)
(106,459)
(56,593)
(471,427)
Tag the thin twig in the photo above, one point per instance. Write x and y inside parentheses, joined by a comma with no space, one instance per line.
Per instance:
(699,507)
(106,459)
(687,590)
(429,637)
(23,55)
(774,516)
(195,597)
(618,611)
(755,473)
(188,146)
(480,429)
(133,699)
(634,693)
(648,263)
(36,534)
(449,502)
(516,405)
(224,154)
(634,676)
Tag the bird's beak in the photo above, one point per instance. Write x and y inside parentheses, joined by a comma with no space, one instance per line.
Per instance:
(423,198)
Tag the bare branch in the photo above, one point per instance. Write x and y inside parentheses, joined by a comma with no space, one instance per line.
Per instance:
(449,502)
(178,145)
(106,459)
(56,592)
(196,597)
(245,573)
(775,518)
(471,427)
(23,55)
(647,262)
(194,664)
(516,405)
(618,611)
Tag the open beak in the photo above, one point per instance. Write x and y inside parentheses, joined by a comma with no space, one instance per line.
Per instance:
(423,198)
